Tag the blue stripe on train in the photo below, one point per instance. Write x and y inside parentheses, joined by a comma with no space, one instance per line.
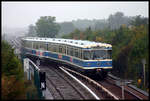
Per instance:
(76,61)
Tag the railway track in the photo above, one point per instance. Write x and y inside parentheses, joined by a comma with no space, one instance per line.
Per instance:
(98,89)
(64,87)
(110,89)
(128,89)
(117,90)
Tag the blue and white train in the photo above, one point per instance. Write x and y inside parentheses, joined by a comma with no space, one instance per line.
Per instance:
(86,56)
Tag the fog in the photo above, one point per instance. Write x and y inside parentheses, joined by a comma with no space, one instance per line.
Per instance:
(22,14)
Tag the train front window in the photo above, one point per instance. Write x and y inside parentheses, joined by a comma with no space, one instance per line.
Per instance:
(101,54)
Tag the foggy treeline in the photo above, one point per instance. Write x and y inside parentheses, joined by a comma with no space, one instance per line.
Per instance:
(114,21)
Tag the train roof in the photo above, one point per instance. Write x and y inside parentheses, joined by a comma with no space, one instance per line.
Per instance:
(72,42)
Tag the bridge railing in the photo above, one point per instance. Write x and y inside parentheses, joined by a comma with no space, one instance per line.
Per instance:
(32,70)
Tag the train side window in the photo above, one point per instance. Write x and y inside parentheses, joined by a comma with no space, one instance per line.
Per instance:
(86,55)
(40,45)
(71,51)
(47,46)
(55,48)
(80,53)
(109,54)
(33,45)
(64,49)
(37,46)
(60,49)
(50,47)
(68,50)
(76,52)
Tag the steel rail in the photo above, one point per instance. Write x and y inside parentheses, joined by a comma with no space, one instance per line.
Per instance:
(94,82)
(96,97)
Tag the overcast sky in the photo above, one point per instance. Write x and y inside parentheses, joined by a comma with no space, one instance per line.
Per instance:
(22,14)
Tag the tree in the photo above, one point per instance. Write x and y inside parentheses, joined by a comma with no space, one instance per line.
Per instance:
(138,20)
(10,64)
(12,74)
(116,20)
(32,31)
(66,27)
(47,27)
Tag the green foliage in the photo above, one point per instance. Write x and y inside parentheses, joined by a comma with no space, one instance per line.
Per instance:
(66,28)
(118,19)
(138,20)
(12,88)
(12,74)
(46,27)
(10,64)
(129,46)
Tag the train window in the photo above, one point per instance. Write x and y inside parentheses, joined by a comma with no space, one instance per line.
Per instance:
(109,54)
(86,54)
(64,49)
(57,47)
(60,49)
(37,45)
(76,52)
(42,45)
(71,51)
(50,47)
(33,45)
(47,46)
(68,50)
(80,53)
(54,48)
(99,54)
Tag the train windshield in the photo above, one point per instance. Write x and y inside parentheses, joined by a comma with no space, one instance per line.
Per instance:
(97,54)
(101,54)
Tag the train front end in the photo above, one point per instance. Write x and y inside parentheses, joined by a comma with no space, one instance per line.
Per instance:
(98,59)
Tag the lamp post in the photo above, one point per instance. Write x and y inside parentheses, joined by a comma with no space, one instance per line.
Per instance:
(144,62)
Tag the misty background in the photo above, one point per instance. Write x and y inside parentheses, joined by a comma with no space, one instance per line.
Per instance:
(18,16)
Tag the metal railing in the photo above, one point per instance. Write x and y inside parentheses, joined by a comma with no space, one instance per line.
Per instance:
(30,68)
